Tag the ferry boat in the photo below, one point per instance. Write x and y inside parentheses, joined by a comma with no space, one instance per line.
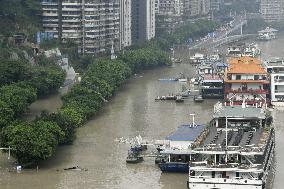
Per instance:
(212,86)
(237,151)
(234,51)
(197,58)
(177,152)
(267,34)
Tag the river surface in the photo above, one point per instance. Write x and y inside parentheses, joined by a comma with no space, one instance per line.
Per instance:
(131,112)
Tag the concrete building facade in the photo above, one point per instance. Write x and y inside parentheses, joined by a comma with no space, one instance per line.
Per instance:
(93,24)
(125,23)
(169,15)
(272,10)
(143,20)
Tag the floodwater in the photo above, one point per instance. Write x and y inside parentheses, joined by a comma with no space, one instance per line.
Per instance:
(131,112)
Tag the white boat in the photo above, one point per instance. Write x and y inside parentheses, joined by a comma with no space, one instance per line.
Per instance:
(267,34)
(183,80)
(197,58)
(236,152)
(234,51)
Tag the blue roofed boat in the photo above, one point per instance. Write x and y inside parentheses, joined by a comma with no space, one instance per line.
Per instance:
(177,153)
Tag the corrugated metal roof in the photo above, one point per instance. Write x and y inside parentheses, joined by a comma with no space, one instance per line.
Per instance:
(239,112)
(186,133)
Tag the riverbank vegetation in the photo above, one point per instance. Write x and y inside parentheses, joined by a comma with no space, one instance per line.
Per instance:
(25,77)
(21,83)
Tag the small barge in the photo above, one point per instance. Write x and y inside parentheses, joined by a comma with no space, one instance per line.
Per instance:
(177,153)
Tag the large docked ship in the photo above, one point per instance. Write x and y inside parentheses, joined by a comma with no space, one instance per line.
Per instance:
(237,151)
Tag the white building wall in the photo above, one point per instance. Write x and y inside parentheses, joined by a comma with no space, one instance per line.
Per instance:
(180,144)
(277,88)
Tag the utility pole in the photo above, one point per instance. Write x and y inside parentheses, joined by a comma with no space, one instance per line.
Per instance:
(226,157)
(9,151)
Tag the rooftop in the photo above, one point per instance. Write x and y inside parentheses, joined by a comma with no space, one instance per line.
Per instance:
(276,61)
(186,133)
(245,65)
(238,112)
(268,30)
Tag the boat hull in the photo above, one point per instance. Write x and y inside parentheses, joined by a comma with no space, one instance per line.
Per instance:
(174,167)
(134,160)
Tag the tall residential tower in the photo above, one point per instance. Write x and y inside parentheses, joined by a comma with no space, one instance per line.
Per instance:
(93,24)
(143,20)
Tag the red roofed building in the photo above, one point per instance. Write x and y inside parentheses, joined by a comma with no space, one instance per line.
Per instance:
(246,80)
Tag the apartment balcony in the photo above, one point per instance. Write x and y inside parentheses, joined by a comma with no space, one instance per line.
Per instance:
(71,4)
(49,3)
(92,36)
(248,91)
(50,25)
(71,15)
(73,26)
(279,81)
(70,31)
(71,9)
(49,14)
(50,8)
(71,36)
(48,20)
(74,20)
(279,92)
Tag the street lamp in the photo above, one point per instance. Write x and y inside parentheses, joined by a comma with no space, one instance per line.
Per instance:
(193,116)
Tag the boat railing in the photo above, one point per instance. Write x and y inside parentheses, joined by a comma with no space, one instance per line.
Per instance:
(206,165)
(247,148)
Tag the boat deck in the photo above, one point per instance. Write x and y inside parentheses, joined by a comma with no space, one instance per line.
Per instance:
(235,138)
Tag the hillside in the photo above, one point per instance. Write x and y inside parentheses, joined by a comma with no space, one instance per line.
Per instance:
(19,16)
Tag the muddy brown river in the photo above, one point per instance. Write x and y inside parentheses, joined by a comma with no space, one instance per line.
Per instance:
(131,112)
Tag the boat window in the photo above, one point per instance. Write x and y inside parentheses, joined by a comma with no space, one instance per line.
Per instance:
(238,77)
(237,174)
(213,174)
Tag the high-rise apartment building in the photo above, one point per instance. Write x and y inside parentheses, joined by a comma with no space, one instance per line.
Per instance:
(193,8)
(143,20)
(93,24)
(125,23)
(169,15)
(272,10)
(173,7)
(215,5)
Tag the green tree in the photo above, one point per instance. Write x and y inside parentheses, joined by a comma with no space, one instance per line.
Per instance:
(31,142)
(14,71)
(18,96)
(6,114)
